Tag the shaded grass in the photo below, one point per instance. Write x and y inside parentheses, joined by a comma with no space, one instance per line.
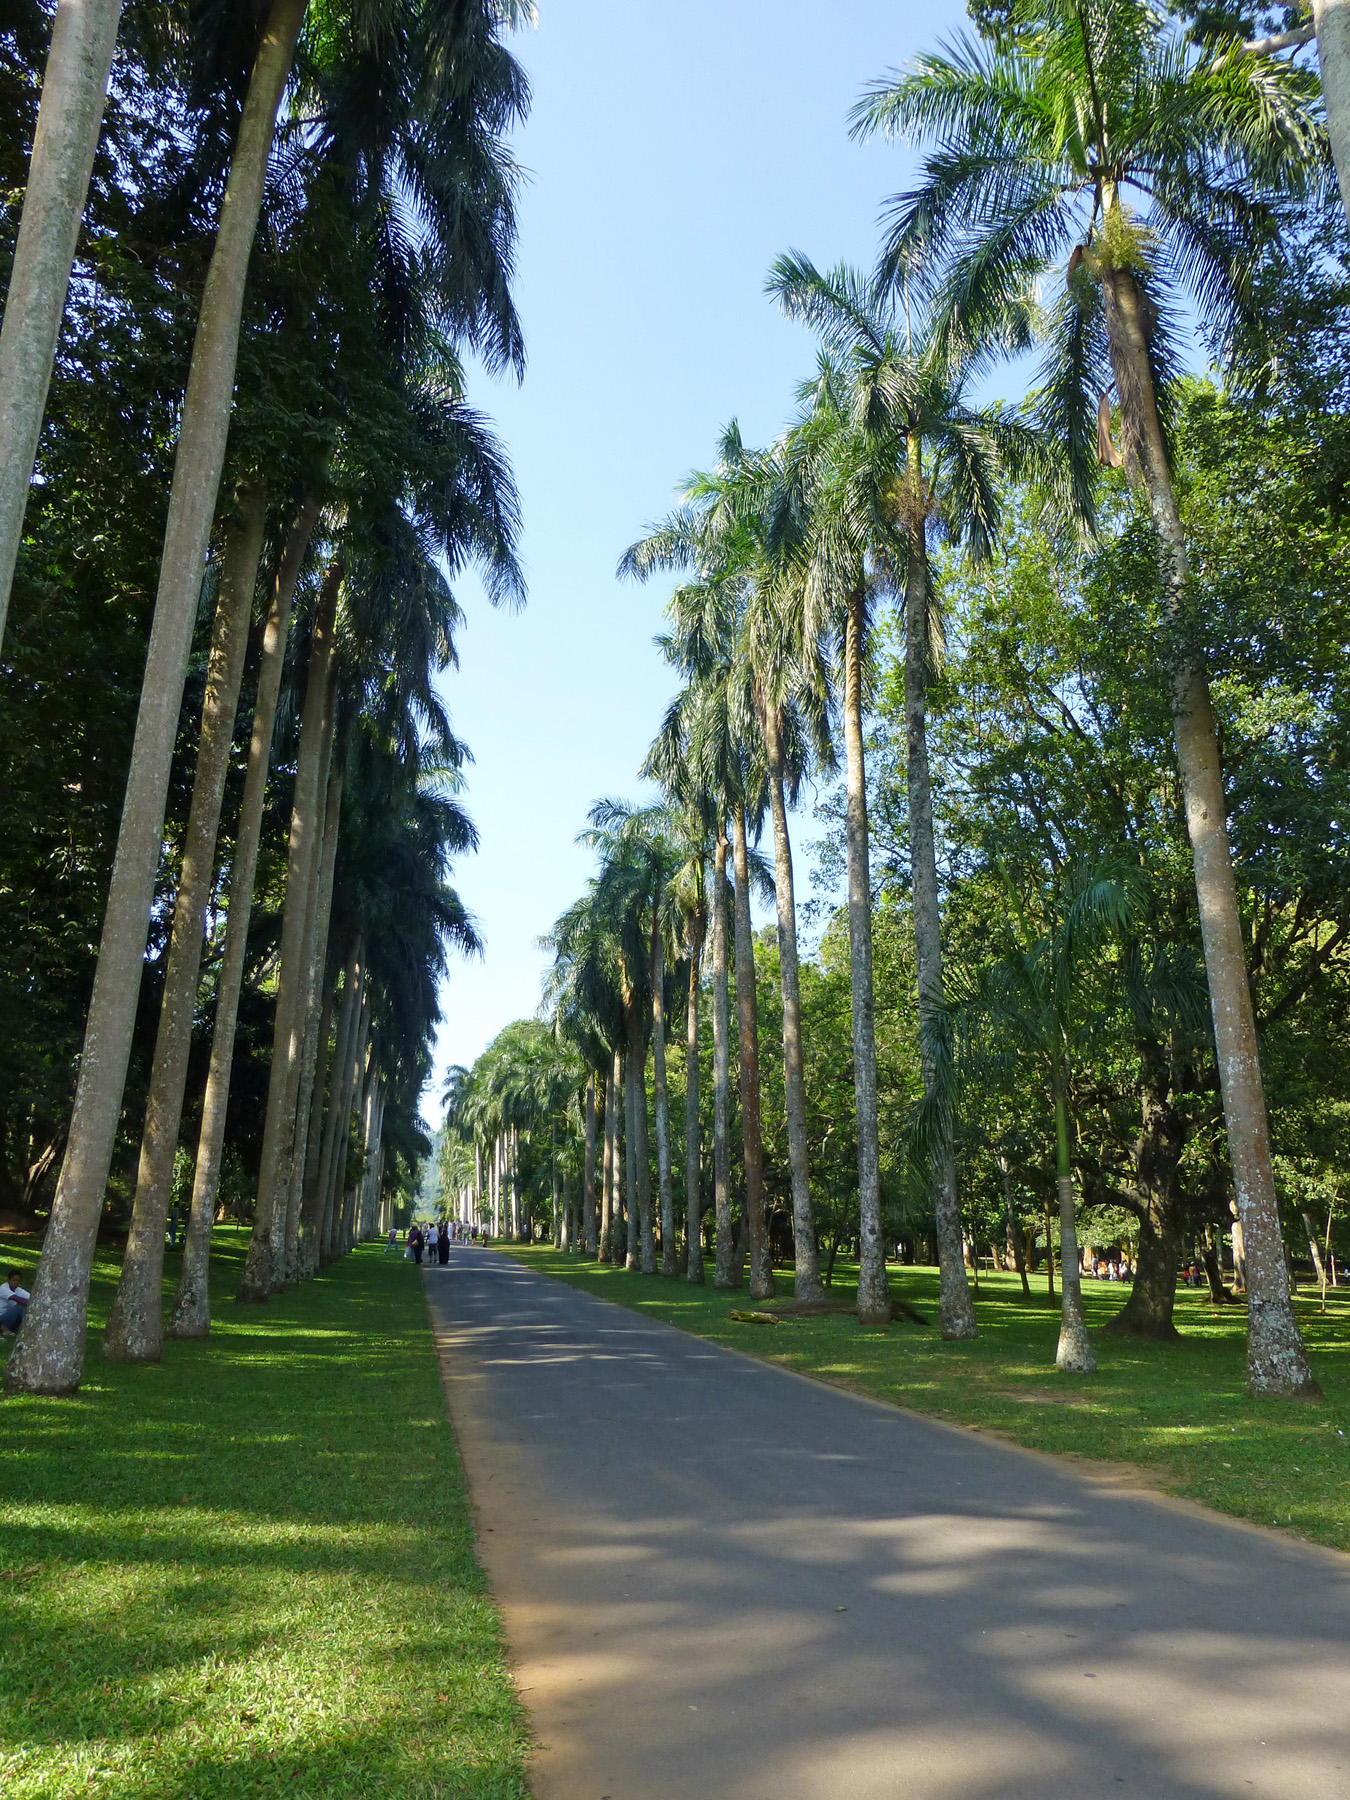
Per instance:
(250,1570)
(1181,1412)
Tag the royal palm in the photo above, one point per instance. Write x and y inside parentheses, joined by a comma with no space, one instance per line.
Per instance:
(1087,138)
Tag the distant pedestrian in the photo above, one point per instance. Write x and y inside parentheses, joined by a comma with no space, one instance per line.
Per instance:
(415,1239)
(393,1240)
(443,1244)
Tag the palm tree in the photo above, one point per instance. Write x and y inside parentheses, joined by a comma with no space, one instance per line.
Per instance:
(730,632)
(454,100)
(191,1314)
(1047,135)
(70,115)
(134,1330)
(51,1359)
(888,451)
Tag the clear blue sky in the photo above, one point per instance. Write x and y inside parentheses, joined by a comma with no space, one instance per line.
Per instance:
(674,149)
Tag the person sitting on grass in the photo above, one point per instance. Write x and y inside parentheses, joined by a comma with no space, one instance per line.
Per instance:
(13,1303)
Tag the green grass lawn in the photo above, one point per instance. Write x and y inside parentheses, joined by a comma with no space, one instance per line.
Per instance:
(1180,1412)
(250,1570)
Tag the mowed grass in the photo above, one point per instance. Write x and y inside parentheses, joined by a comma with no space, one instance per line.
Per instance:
(1179,1412)
(250,1570)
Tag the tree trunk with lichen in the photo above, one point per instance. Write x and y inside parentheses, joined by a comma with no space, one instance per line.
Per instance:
(956,1313)
(135,1330)
(48,1357)
(191,1315)
(1277,1362)
(725,1273)
(807,1285)
(747,1007)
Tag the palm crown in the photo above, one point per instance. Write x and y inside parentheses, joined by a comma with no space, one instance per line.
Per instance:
(1087,135)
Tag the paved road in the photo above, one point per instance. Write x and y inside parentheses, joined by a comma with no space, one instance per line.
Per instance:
(723,1582)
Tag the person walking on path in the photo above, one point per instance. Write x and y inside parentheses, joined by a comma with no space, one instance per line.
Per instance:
(443,1244)
(415,1239)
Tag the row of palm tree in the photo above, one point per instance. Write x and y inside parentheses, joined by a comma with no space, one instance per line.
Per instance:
(1088,150)
(371,146)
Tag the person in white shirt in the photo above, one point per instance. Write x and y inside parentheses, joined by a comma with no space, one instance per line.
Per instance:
(13,1303)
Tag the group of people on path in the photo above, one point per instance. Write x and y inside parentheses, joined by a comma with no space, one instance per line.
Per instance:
(433,1242)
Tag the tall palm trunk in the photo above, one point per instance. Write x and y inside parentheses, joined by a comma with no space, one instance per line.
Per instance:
(874,1301)
(606,1252)
(49,1357)
(310,1222)
(693,1145)
(1332,19)
(1277,1362)
(588,1242)
(74,88)
(808,1285)
(344,1198)
(1074,1354)
(191,1315)
(558,1224)
(625,1169)
(264,1265)
(725,1274)
(300,1247)
(334,1153)
(135,1327)
(956,1313)
(661,1103)
(517,1220)
(747,1007)
(635,1142)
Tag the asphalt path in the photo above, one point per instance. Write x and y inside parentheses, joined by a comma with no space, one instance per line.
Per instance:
(721,1581)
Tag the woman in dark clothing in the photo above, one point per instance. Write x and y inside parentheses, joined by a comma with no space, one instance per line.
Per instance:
(443,1244)
(415,1239)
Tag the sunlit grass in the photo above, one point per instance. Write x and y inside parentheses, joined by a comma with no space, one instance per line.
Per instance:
(1179,1411)
(249,1571)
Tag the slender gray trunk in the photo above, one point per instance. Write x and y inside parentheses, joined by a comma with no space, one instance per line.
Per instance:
(345,1198)
(310,1223)
(70,114)
(747,1007)
(301,1226)
(333,1152)
(1332,19)
(135,1330)
(308,1000)
(725,1273)
(588,1232)
(555,1223)
(1277,1362)
(606,1252)
(191,1315)
(697,926)
(625,1167)
(874,1300)
(956,1311)
(516,1214)
(49,1354)
(1074,1354)
(264,1267)
(807,1286)
(635,1145)
(661,1100)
